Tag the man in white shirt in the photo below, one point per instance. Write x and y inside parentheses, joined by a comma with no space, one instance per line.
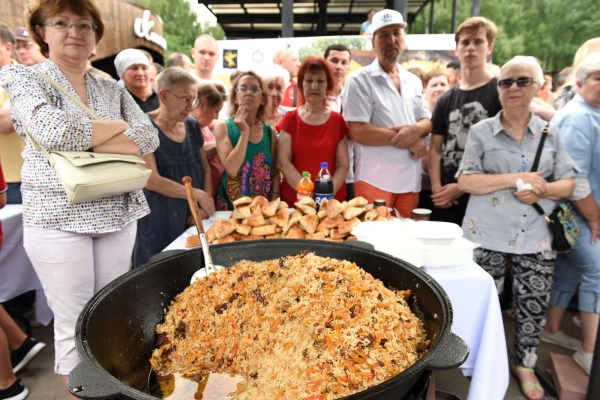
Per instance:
(387,118)
(206,53)
(338,56)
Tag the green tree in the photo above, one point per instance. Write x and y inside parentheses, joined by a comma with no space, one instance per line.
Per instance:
(551,30)
(318,47)
(180,24)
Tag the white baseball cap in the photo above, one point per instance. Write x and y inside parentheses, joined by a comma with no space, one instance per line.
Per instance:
(385,18)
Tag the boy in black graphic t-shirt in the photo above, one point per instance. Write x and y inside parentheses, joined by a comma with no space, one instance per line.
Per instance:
(473,99)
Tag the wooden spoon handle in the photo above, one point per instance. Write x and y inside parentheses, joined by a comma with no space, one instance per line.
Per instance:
(187,182)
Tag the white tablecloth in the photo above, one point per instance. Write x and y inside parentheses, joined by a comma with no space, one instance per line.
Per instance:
(17,275)
(477,320)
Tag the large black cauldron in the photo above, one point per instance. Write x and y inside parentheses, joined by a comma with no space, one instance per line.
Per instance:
(115,332)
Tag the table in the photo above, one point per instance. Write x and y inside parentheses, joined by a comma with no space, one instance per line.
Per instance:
(477,320)
(17,275)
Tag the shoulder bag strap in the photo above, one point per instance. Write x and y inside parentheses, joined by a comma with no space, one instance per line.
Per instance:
(538,154)
(34,142)
(69,95)
(37,146)
(536,162)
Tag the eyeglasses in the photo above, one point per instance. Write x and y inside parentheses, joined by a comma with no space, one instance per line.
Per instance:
(25,46)
(521,82)
(243,89)
(193,102)
(62,25)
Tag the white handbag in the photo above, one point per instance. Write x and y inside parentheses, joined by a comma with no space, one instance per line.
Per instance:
(87,176)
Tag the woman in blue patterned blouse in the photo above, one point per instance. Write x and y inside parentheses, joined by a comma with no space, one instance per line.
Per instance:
(76,249)
(499,151)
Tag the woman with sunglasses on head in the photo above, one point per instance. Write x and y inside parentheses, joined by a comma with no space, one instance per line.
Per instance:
(75,248)
(312,133)
(180,154)
(500,151)
(247,146)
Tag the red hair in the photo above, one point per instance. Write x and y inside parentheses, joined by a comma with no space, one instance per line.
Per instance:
(314,65)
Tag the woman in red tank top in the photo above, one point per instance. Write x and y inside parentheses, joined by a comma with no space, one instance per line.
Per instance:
(312,133)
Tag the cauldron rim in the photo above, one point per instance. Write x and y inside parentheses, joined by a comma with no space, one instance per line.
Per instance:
(418,367)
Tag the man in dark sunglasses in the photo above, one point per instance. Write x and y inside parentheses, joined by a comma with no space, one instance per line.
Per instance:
(472,99)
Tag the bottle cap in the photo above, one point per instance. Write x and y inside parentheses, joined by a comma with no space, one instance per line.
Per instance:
(306,174)
(378,203)
(324,165)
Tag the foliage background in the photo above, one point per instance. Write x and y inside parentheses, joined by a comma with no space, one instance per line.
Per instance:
(551,30)
(180,25)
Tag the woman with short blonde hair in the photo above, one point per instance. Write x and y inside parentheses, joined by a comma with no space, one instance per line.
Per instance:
(570,89)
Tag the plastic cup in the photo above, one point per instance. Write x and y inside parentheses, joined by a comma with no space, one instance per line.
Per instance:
(378,203)
(421,214)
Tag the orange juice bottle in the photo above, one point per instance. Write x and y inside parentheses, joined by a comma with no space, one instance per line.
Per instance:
(305,187)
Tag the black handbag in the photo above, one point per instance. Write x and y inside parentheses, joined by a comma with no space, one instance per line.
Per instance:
(561,222)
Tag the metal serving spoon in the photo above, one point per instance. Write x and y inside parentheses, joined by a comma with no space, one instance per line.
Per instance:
(208,262)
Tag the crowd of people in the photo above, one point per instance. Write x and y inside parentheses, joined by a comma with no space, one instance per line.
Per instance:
(454,140)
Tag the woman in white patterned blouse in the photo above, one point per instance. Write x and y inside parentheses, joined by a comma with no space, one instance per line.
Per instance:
(76,249)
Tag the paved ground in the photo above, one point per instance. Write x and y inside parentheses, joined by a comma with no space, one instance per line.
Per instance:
(44,385)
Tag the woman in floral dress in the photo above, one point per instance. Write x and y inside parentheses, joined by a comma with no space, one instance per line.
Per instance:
(247,146)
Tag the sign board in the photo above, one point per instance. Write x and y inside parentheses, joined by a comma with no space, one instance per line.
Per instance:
(255,54)
(142,27)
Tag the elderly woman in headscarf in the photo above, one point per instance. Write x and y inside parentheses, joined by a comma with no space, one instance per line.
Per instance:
(500,151)
(133,67)
(180,154)
(579,123)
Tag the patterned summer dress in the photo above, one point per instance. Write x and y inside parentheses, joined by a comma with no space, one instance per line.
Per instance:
(254,176)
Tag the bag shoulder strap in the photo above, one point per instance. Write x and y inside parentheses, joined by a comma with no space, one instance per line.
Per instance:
(37,146)
(536,162)
(538,154)
(85,108)
(69,95)
(539,209)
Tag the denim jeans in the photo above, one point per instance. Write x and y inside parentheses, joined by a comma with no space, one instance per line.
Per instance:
(580,265)
(13,195)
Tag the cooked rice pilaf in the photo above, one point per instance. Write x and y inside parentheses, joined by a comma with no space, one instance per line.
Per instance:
(301,327)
